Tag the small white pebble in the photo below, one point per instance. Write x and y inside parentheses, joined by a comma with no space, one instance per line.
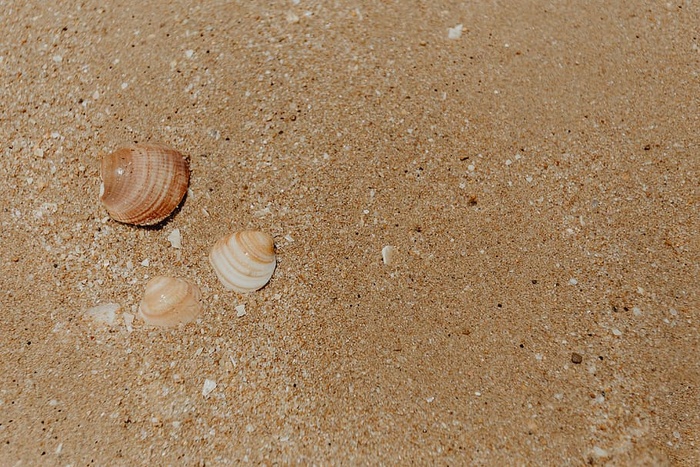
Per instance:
(240,310)
(636,311)
(616,332)
(96,95)
(430,399)
(673,312)
(529,179)
(145,262)
(538,357)
(57,58)
(209,386)
(573,281)
(471,167)
(125,85)
(508,161)
(189,53)
(477,394)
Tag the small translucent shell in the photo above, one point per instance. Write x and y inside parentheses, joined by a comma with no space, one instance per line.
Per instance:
(169,301)
(142,184)
(244,261)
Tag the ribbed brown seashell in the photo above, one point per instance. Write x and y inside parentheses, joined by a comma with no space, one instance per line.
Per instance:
(142,184)
(244,261)
(168,301)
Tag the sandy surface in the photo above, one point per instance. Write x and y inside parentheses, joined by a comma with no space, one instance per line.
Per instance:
(538,177)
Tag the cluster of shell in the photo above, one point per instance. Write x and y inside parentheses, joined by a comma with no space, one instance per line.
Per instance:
(143,184)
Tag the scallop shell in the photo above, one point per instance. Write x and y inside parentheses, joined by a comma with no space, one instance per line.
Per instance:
(142,184)
(168,301)
(244,261)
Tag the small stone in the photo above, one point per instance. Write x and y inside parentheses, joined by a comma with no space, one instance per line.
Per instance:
(576,358)
(240,310)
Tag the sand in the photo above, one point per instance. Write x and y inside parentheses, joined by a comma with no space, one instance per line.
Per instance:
(536,171)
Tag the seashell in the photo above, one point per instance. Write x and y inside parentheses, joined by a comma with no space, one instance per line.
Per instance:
(168,301)
(142,184)
(244,261)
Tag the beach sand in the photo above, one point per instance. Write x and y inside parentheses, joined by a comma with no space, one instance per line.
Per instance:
(534,164)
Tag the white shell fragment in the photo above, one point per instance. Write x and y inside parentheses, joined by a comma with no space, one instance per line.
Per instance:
(128,321)
(105,313)
(244,261)
(175,239)
(389,255)
(455,32)
(209,386)
(168,301)
(240,310)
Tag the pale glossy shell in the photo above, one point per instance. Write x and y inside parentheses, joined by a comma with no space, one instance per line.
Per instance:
(244,261)
(142,184)
(169,301)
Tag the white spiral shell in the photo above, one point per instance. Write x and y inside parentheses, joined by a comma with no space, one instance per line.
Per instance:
(244,261)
